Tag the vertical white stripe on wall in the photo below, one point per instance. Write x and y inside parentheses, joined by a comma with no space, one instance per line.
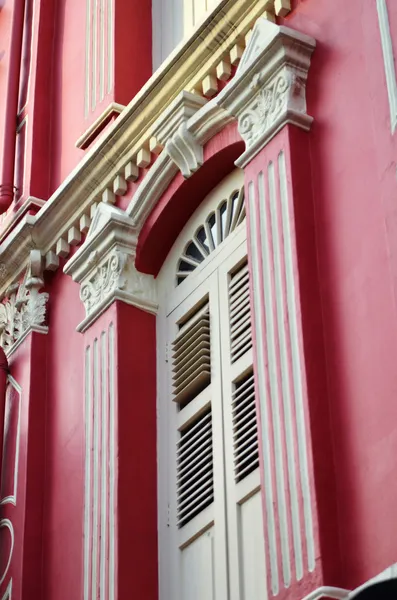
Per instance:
(112,462)
(285,379)
(96,465)
(272,369)
(102,44)
(88,50)
(296,364)
(104,462)
(94,54)
(388,58)
(99,507)
(87,502)
(258,316)
(111,26)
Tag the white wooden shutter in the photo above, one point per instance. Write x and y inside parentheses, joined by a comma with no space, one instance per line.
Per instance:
(210,513)
(246,551)
(195,546)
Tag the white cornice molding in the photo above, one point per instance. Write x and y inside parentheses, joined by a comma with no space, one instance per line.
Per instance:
(274,66)
(104,266)
(267,92)
(388,58)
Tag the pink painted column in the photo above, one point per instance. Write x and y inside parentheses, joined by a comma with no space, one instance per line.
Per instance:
(268,98)
(120,514)
(120,504)
(297,466)
(23,337)
(23,473)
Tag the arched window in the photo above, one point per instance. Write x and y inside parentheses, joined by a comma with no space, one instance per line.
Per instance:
(210,515)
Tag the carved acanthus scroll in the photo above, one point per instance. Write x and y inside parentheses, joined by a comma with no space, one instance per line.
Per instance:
(24,307)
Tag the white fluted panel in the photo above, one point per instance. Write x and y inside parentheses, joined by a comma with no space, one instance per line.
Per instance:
(281,388)
(296,365)
(99,52)
(388,58)
(260,352)
(285,382)
(99,523)
(273,374)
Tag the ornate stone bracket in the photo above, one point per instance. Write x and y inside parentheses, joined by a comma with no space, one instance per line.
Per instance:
(170,130)
(24,308)
(269,88)
(104,266)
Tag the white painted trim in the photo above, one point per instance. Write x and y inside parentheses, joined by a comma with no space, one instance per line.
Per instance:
(296,364)
(87,484)
(13,498)
(389,62)
(8,592)
(326,591)
(7,523)
(95,485)
(88,51)
(94,45)
(111,66)
(32,41)
(114,108)
(285,378)
(104,461)
(112,460)
(273,378)
(102,52)
(37,328)
(259,328)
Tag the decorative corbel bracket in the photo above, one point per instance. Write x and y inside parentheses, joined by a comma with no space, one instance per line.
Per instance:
(104,266)
(269,88)
(23,309)
(185,151)
(171,131)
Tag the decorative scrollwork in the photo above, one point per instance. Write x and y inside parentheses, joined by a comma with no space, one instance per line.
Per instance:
(269,103)
(116,274)
(23,309)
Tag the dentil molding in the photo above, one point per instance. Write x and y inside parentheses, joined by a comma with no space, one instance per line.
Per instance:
(267,92)
(105,266)
(24,307)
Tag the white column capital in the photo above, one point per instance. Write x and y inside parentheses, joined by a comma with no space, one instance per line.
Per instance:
(269,88)
(104,266)
(24,306)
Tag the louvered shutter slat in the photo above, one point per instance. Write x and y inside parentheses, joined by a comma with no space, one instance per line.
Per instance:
(195,484)
(202,458)
(185,374)
(192,358)
(190,496)
(202,342)
(245,428)
(193,442)
(240,313)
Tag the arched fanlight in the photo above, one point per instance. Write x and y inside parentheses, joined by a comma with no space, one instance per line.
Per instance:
(215,229)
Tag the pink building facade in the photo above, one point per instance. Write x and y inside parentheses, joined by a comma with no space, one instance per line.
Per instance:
(198,280)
